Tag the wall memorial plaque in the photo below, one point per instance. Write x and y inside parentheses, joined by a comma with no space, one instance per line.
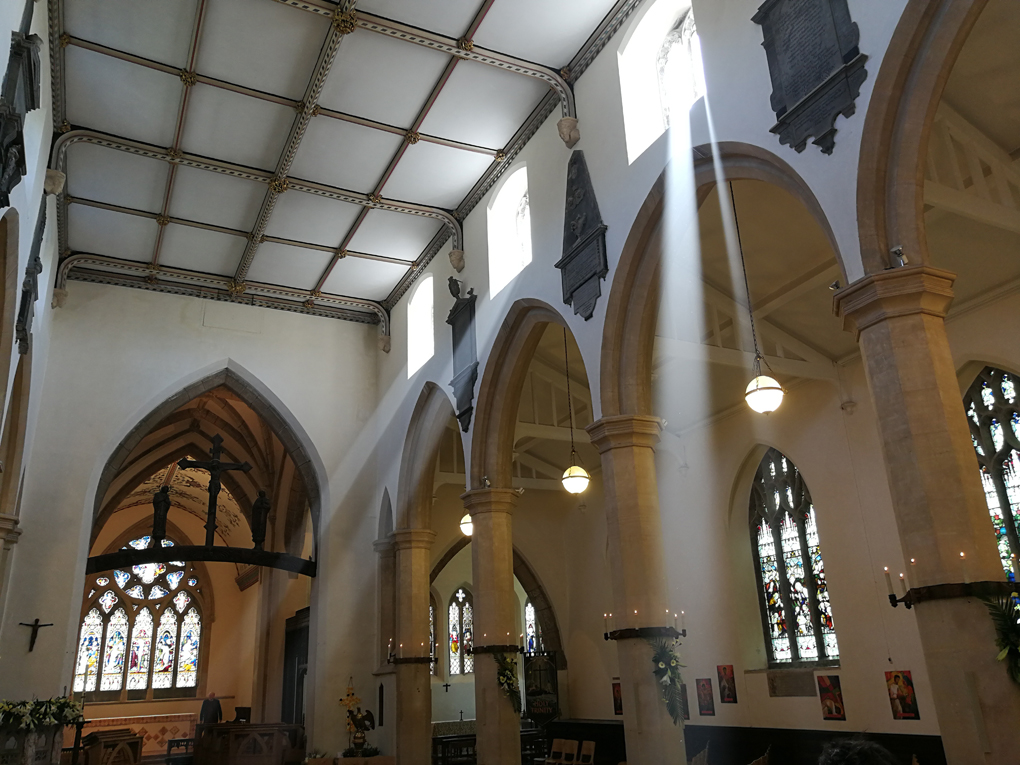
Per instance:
(465,354)
(19,94)
(584,262)
(816,66)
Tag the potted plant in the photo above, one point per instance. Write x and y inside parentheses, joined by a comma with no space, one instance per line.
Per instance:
(33,730)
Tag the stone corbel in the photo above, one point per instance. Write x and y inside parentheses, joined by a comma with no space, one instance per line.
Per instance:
(54,183)
(569,132)
(457,260)
(9,531)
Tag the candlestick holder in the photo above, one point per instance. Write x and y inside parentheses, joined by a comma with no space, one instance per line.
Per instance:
(645,632)
(952,590)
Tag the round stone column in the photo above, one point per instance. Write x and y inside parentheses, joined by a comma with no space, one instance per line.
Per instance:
(498,727)
(412,648)
(638,569)
(898,317)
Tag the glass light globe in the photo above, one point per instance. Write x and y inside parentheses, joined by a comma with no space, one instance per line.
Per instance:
(467,526)
(764,394)
(575,479)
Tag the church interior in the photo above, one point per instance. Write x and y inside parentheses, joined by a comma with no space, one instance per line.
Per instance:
(507,382)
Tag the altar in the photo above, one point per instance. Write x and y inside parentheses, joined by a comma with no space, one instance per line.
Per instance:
(249,744)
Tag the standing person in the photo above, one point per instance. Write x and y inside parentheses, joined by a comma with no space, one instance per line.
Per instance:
(211,712)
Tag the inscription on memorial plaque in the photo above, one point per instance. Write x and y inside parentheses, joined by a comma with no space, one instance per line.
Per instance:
(584,262)
(816,66)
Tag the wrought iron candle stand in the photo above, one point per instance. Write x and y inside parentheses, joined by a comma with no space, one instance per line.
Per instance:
(952,590)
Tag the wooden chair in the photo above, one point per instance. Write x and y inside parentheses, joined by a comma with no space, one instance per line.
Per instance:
(570,752)
(555,753)
(587,756)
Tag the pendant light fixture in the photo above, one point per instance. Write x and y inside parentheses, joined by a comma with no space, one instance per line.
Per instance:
(467,526)
(575,477)
(763,394)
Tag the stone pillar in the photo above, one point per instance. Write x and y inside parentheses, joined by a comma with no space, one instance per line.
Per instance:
(9,533)
(637,559)
(412,649)
(898,317)
(386,571)
(498,727)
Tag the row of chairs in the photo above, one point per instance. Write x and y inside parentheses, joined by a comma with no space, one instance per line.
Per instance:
(564,752)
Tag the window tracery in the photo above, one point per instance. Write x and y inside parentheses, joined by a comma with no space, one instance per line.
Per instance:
(993,414)
(681,74)
(461,617)
(794,594)
(140,632)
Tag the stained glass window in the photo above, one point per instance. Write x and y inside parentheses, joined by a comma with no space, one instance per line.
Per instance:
(141,650)
(86,668)
(432,636)
(115,641)
(166,646)
(461,613)
(795,607)
(187,662)
(990,402)
(113,655)
(532,630)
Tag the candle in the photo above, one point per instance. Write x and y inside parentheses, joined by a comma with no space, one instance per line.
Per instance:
(903,584)
(888,581)
(963,562)
(1012,559)
(610,622)
(683,625)
(913,562)
(522,640)
(401,650)
(605,623)
(674,621)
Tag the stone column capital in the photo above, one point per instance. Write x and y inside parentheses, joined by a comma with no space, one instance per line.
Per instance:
(477,501)
(889,294)
(625,430)
(9,531)
(406,539)
(385,546)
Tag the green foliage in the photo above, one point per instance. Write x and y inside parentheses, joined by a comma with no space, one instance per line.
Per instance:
(666,668)
(366,751)
(506,674)
(29,715)
(1005,614)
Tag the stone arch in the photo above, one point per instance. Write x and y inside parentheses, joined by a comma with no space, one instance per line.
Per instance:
(532,586)
(262,401)
(890,176)
(431,414)
(385,516)
(12,442)
(500,390)
(9,238)
(633,307)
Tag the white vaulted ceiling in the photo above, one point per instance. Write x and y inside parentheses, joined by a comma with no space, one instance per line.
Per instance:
(296,153)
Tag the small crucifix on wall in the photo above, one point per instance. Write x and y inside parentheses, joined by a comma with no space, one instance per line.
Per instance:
(447,687)
(35,632)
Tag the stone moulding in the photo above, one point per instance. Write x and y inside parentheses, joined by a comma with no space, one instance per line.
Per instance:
(816,67)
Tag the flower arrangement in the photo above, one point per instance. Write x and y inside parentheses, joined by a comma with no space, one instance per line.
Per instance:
(1006,618)
(666,668)
(506,675)
(38,713)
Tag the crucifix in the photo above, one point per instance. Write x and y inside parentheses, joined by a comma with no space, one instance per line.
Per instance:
(447,687)
(215,468)
(35,632)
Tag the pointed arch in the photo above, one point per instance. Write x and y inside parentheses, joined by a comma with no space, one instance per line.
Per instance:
(9,241)
(500,390)
(629,334)
(256,395)
(431,415)
(385,516)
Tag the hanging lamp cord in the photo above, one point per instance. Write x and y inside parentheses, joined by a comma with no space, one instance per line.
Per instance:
(570,401)
(747,288)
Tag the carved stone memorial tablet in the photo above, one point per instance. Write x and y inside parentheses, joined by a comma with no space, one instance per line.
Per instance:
(816,66)
(465,354)
(584,262)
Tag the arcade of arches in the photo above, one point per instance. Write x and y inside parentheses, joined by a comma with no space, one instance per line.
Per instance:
(405,354)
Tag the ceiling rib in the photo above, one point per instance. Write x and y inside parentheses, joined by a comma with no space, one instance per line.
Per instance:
(463,48)
(225,230)
(179,130)
(402,132)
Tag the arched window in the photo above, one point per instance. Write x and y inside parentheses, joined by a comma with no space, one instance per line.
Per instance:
(661,72)
(461,614)
(141,632)
(795,608)
(421,342)
(532,630)
(993,414)
(509,225)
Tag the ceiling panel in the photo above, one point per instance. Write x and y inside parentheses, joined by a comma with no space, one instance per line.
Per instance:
(288,266)
(395,235)
(236,128)
(370,65)
(127,25)
(450,17)
(107,175)
(199,250)
(483,105)
(541,31)
(113,96)
(345,155)
(311,218)
(216,198)
(261,44)
(436,175)
(363,278)
(118,235)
